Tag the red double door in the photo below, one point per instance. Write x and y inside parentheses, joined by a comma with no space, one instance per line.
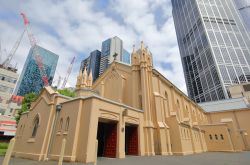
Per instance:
(110,141)
(131,140)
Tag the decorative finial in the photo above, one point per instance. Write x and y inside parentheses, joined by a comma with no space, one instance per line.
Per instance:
(133,48)
(115,55)
(142,45)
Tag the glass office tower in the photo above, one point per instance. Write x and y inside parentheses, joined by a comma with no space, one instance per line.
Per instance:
(109,48)
(214,46)
(244,8)
(92,63)
(30,79)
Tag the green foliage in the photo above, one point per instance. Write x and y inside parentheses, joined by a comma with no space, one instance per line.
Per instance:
(4,145)
(3,148)
(67,92)
(28,99)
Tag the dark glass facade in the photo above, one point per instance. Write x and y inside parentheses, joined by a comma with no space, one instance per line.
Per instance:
(30,79)
(214,47)
(106,50)
(92,63)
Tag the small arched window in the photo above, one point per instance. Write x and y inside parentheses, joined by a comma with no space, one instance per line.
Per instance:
(166,95)
(178,104)
(61,124)
(67,124)
(216,136)
(221,136)
(35,127)
(210,136)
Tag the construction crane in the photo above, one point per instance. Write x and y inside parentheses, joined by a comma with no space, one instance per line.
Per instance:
(7,61)
(38,58)
(68,72)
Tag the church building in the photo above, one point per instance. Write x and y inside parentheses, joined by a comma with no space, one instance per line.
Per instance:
(131,110)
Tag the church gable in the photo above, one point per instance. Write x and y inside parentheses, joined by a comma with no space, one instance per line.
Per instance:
(114,85)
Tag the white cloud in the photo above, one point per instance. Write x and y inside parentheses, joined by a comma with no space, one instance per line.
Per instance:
(74,28)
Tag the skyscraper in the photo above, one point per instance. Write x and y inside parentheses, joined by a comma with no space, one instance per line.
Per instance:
(92,63)
(244,8)
(126,58)
(109,48)
(214,47)
(30,79)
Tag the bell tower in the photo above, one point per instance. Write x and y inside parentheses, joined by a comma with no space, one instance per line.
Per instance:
(142,92)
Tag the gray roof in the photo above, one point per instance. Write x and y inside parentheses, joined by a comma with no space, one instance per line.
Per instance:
(225,105)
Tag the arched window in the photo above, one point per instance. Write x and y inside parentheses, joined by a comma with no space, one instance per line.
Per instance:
(36,125)
(221,136)
(216,136)
(61,124)
(210,136)
(166,95)
(67,124)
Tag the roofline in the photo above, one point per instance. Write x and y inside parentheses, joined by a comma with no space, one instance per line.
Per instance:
(155,71)
(103,99)
(230,110)
(107,70)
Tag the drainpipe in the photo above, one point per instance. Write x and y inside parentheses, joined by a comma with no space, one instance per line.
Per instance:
(231,140)
(58,109)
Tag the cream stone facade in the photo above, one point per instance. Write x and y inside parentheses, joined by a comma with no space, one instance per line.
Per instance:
(130,110)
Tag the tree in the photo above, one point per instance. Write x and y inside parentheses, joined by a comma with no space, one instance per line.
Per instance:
(28,99)
(67,92)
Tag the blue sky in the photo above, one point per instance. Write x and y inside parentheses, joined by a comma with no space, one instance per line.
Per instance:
(76,27)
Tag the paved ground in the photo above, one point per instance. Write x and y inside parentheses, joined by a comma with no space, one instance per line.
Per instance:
(214,158)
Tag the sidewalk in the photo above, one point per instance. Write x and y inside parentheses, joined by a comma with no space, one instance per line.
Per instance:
(210,158)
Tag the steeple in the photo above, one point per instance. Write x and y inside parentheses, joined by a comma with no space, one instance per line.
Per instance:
(84,78)
(90,80)
(79,79)
(84,84)
(141,57)
(142,45)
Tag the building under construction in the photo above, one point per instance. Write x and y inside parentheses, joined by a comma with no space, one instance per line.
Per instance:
(30,79)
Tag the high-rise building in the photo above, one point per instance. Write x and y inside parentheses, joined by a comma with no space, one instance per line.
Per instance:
(8,79)
(244,8)
(126,58)
(214,47)
(92,63)
(30,79)
(110,47)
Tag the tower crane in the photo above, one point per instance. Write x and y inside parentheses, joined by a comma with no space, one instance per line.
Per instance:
(68,72)
(7,61)
(38,58)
